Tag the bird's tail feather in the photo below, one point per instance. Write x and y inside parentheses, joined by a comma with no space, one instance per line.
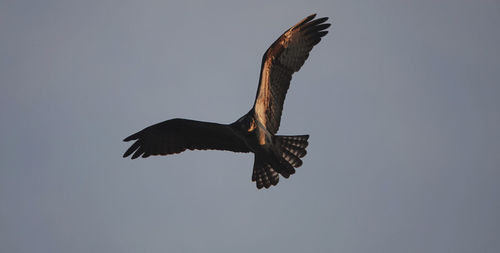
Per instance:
(263,174)
(292,149)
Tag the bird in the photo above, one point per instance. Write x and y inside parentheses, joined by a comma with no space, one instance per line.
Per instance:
(256,131)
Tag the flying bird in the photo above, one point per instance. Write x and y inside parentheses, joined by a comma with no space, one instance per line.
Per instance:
(255,131)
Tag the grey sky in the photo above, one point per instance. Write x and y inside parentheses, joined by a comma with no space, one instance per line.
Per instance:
(401,100)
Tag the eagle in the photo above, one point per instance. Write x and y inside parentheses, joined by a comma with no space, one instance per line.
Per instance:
(255,131)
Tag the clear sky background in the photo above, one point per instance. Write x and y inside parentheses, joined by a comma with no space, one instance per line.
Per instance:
(401,99)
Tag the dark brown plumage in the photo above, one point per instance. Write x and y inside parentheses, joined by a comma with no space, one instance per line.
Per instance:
(176,135)
(283,58)
(254,132)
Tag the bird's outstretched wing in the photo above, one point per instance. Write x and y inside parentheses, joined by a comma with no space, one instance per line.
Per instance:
(176,135)
(283,58)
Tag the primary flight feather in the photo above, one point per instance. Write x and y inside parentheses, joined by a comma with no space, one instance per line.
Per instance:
(255,131)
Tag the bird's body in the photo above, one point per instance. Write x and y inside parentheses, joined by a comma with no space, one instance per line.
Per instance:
(256,131)
(257,138)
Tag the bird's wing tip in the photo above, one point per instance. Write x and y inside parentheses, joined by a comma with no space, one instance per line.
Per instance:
(131,137)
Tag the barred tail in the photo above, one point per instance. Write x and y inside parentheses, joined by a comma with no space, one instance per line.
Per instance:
(293,148)
(263,174)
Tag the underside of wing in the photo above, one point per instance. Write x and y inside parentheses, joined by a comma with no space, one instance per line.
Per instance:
(176,135)
(283,58)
